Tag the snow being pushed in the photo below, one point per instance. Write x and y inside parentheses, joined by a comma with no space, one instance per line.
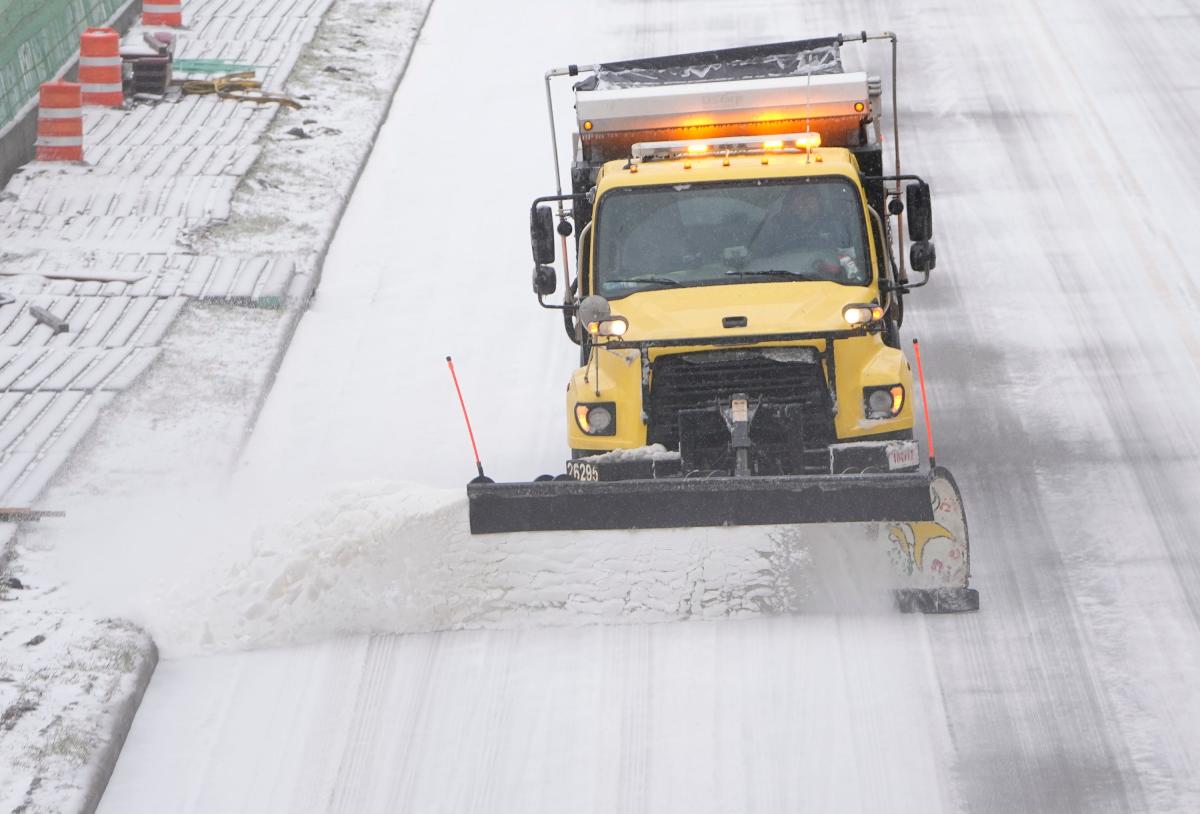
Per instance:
(385,557)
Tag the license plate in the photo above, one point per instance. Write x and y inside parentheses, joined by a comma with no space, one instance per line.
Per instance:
(903,455)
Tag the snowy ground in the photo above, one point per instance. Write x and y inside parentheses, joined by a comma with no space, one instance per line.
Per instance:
(69,686)
(1061,347)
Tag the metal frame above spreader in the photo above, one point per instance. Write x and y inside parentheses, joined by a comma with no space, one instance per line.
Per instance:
(716,103)
(703,71)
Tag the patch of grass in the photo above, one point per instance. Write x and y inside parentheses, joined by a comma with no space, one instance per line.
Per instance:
(63,743)
(14,712)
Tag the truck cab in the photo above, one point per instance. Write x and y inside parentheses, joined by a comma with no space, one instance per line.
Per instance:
(734,251)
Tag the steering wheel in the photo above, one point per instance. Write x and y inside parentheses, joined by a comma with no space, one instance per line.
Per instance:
(828,269)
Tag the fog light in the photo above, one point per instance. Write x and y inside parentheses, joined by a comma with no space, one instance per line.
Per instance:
(883,402)
(596,419)
(599,419)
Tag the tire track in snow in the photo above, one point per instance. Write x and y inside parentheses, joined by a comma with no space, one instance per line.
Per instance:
(637,728)
(1096,680)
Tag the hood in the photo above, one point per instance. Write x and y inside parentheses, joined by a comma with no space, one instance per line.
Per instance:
(775,307)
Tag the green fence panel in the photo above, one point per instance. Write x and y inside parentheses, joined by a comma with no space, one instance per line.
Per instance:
(39,37)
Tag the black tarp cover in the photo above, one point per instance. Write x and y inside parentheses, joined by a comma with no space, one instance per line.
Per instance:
(797,58)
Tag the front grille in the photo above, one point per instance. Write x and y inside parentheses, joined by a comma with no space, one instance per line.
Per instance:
(779,376)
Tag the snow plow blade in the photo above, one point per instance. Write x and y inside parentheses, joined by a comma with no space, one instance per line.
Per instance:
(563,505)
(903,531)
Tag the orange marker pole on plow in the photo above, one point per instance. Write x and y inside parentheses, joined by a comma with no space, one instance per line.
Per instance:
(470,433)
(924,402)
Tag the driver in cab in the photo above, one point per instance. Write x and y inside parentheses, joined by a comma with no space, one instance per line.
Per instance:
(805,222)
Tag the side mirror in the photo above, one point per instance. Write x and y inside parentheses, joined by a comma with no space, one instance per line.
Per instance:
(920,212)
(544,280)
(541,235)
(922,256)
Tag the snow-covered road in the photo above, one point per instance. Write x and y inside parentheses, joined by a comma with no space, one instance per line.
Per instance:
(1061,345)
(603,719)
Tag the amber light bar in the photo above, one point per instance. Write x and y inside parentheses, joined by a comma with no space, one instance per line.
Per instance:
(835,132)
(719,146)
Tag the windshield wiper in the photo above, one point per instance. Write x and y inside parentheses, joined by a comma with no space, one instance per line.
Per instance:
(650,278)
(767,273)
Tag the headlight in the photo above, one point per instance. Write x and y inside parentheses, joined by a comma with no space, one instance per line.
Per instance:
(597,419)
(861,313)
(883,402)
(609,326)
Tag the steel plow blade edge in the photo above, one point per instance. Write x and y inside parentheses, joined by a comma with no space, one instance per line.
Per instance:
(568,505)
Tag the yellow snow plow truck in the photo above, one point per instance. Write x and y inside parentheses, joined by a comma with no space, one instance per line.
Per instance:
(737,306)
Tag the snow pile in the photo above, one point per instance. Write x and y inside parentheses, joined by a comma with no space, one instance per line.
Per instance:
(386,557)
(653,452)
(393,557)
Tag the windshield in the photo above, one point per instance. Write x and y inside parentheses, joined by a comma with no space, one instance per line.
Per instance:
(736,232)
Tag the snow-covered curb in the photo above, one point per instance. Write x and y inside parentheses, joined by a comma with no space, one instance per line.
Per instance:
(295,194)
(69,688)
(360,91)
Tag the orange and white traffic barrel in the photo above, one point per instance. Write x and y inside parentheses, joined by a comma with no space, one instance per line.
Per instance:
(162,12)
(60,122)
(100,67)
